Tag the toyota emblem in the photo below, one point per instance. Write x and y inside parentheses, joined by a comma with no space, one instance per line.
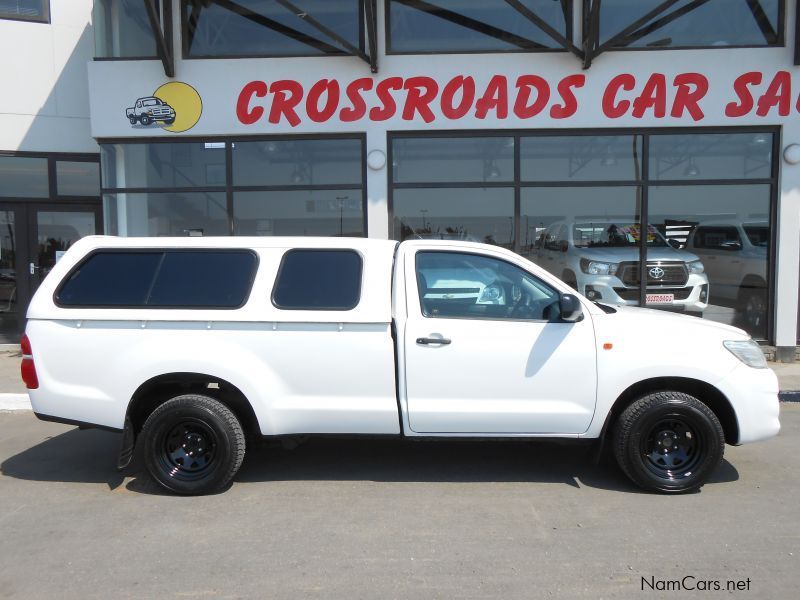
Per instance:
(656,272)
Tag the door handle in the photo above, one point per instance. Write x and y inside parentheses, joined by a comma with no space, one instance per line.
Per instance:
(425,341)
(32,268)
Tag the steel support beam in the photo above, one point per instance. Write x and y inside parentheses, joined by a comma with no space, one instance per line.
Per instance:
(163,45)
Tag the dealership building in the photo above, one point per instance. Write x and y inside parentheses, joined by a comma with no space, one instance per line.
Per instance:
(610,142)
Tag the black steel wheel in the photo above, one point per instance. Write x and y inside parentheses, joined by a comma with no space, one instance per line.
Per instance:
(754,309)
(193,444)
(133,120)
(668,442)
(145,119)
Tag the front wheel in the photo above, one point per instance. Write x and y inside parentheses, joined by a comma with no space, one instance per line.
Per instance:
(668,442)
(145,120)
(193,444)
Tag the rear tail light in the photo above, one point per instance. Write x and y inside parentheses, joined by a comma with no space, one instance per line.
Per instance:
(28,369)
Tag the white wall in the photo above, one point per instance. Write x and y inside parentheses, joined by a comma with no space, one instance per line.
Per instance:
(44,105)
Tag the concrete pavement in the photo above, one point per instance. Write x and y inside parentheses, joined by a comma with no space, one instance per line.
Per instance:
(391,519)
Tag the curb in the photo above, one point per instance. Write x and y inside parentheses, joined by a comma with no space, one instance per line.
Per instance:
(14,402)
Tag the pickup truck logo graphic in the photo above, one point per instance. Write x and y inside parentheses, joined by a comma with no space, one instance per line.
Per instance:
(175,107)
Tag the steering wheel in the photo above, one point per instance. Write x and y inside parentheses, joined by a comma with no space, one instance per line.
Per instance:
(521,308)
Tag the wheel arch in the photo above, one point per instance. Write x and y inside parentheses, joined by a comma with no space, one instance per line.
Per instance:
(155,391)
(702,390)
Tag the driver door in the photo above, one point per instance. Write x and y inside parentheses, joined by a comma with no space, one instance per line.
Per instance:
(486,351)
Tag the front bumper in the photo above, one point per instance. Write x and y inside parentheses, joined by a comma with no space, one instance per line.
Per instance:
(753,394)
(691,297)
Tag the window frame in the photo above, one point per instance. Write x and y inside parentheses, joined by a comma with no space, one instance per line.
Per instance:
(52,182)
(319,308)
(167,27)
(184,31)
(229,188)
(780,43)
(387,28)
(643,181)
(45,18)
(477,317)
(163,251)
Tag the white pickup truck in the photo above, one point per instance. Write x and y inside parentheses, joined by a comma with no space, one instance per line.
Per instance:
(191,346)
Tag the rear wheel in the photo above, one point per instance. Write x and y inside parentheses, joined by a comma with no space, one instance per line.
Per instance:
(668,442)
(133,120)
(754,309)
(193,444)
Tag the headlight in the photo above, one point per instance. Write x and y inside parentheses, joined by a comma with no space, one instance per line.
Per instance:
(747,351)
(593,267)
(696,267)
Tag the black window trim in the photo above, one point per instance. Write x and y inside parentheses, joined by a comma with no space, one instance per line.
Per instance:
(52,158)
(163,251)
(163,47)
(644,182)
(605,47)
(479,318)
(45,18)
(318,308)
(361,46)
(230,188)
(568,35)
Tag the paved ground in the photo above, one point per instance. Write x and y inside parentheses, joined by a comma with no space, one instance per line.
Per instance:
(388,519)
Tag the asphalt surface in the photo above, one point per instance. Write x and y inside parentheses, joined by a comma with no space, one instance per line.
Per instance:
(390,519)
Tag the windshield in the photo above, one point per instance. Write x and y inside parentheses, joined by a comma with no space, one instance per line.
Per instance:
(614,235)
(758,235)
(152,102)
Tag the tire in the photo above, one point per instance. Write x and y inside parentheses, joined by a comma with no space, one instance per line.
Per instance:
(754,310)
(668,442)
(210,431)
(570,279)
(145,119)
(169,121)
(133,120)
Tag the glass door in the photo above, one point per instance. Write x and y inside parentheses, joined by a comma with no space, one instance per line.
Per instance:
(52,230)
(9,294)
(33,238)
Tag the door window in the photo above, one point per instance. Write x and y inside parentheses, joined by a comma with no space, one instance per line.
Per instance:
(461,285)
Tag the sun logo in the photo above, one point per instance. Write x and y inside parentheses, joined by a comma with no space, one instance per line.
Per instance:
(175,106)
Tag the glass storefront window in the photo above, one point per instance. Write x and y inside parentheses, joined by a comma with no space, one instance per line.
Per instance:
(297,162)
(586,236)
(25,10)
(300,186)
(469,214)
(581,214)
(267,28)
(23,177)
(476,26)
(688,23)
(75,178)
(311,212)
(468,159)
(163,165)
(724,231)
(711,156)
(122,29)
(581,158)
(167,214)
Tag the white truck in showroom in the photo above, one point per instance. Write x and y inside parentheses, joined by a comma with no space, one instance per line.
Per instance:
(192,346)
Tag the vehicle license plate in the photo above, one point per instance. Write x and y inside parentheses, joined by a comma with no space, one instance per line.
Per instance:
(660,298)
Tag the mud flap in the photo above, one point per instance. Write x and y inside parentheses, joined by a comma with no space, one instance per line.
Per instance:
(127,447)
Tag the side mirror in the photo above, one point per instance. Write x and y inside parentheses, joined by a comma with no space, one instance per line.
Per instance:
(674,243)
(570,308)
(563,246)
